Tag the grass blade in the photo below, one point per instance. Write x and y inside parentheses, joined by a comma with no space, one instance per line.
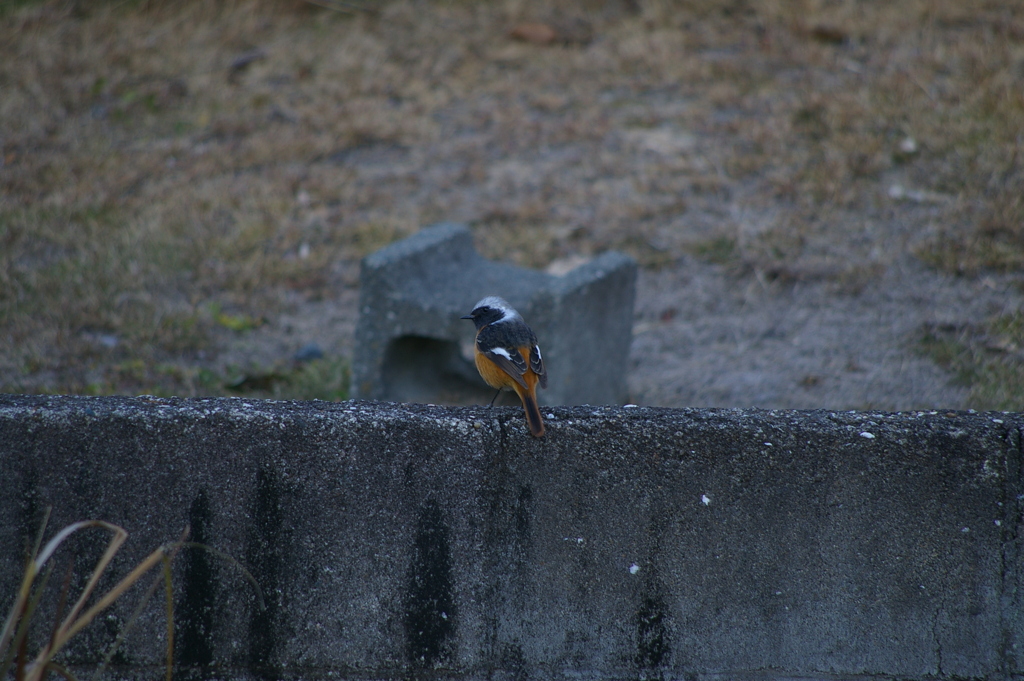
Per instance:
(169,591)
(60,669)
(120,535)
(24,620)
(31,570)
(165,576)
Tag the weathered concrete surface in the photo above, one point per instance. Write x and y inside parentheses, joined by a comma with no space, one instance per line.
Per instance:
(413,541)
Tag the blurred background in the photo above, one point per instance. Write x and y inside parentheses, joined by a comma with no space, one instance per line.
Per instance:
(826,197)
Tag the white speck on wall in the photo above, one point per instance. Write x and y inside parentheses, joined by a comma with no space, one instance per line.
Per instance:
(767,444)
(705,499)
(997,420)
(629,406)
(444,615)
(965,529)
(634,568)
(869,436)
(998,522)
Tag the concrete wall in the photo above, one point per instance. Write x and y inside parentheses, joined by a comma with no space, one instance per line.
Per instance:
(414,541)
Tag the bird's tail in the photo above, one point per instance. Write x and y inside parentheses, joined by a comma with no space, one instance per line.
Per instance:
(533,418)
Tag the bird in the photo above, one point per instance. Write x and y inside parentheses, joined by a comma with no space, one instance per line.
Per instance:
(507,355)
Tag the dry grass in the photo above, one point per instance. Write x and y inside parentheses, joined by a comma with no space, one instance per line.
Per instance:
(989,358)
(15,635)
(164,164)
(25,619)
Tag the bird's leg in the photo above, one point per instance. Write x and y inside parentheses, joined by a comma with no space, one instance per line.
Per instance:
(494,398)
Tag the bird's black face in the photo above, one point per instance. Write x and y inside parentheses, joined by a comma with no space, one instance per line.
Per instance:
(482,316)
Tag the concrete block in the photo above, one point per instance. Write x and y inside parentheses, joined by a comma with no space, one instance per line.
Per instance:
(408,541)
(411,345)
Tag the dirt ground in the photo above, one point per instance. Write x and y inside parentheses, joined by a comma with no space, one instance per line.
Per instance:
(824,196)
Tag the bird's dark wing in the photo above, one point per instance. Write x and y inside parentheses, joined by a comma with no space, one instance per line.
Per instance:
(537,364)
(509,360)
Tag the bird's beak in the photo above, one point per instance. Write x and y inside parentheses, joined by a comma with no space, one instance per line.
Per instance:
(468,316)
